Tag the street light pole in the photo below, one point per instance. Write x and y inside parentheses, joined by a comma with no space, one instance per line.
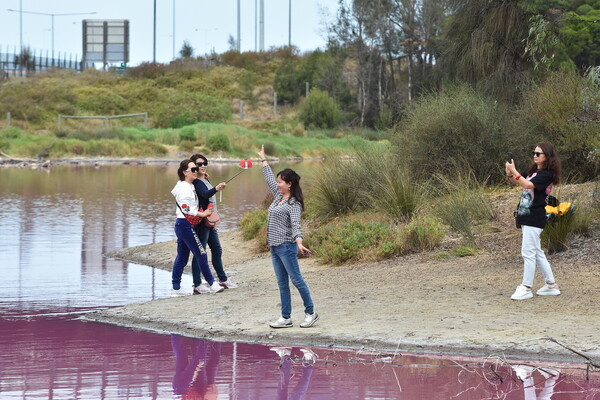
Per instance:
(52,15)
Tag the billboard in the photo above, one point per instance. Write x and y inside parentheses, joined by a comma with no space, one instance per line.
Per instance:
(106,41)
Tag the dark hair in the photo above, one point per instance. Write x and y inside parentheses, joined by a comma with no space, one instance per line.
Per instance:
(290,176)
(182,167)
(552,162)
(197,156)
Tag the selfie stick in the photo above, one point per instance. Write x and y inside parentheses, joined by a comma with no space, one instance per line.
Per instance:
(244,165)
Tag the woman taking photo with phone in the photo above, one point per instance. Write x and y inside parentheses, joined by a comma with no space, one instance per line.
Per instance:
(187,240)
(284,238)
(537,182)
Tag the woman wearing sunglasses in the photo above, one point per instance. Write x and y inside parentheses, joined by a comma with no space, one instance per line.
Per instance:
(187,240)
(537,182)
(208,235)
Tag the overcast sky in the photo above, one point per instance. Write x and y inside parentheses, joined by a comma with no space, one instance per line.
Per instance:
(206,24)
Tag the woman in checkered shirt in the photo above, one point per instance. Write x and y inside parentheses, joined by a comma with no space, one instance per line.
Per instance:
(284,238)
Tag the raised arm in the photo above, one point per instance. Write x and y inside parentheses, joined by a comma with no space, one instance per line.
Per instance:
(268,172)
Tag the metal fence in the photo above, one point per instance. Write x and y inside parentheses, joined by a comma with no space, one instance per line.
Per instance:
(28,62)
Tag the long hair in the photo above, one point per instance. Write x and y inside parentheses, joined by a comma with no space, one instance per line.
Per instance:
(551,164)
(290,176)
(196,156)
(182,167)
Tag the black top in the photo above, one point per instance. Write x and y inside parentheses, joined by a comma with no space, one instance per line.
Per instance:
(532,206)
(204,193)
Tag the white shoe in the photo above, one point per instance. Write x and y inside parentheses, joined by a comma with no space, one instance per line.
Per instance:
(548,290)
(178,292)
(523,371)
(281,351)
(309,320)
(202,288)
(216,288)
(282,323)
(522,293)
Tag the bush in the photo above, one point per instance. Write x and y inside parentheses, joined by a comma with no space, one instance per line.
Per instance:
(218,142)
(99,100)
(423,234)
(253,225)
(319,110)
(437,128)
(354,239)
(184,108)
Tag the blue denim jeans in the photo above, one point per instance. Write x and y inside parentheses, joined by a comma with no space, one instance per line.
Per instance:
(186,242)
(211,237)
(285,264)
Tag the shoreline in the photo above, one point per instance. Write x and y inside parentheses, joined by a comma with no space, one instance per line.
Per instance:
(411,313)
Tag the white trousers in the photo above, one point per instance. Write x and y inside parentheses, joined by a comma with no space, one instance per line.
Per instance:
(533,255)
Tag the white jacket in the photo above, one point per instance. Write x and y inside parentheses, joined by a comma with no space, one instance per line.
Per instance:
(185,195)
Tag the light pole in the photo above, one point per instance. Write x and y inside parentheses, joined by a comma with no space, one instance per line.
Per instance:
(20,11)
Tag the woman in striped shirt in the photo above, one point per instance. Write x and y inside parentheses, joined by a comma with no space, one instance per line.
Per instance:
(284,238)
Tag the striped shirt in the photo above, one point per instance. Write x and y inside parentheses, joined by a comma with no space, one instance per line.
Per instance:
(283,224)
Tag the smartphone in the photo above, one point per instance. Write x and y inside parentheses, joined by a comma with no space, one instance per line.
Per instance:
(509,157)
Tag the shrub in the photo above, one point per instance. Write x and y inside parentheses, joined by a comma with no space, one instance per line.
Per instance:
(99,100)
(187,133)
(253,224)
(354,239)
(11,132)
(298,130)
(437,128)
(184,108)
(319,110)
(218,142)
(423,234)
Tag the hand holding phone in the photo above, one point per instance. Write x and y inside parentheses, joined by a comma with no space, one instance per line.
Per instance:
(509,157)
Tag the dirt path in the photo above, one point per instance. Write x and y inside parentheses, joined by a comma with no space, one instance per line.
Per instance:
(414,303)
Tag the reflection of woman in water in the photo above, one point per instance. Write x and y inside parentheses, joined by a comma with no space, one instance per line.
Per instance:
(285,369)
(524,372)
(195,378)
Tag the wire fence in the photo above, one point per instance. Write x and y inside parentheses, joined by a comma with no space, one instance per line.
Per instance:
(28,62)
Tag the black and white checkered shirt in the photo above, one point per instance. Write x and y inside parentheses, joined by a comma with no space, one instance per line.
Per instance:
(283,223)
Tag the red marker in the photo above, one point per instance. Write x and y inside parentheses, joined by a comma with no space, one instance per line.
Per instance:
(246,164)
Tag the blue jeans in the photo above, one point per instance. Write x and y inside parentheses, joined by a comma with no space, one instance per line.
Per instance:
(285,264)
(211,237)
(186,242)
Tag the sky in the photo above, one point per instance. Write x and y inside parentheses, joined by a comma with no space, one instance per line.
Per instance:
(205,24)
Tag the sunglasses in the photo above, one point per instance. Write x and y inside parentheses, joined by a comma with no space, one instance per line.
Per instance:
(202,164)
(193,169)
(536,153)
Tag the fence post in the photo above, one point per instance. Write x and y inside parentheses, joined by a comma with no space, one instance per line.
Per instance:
(59,122)
(274,102)
(8,119)
(307,86)
(146,120)
(241,109)
(106,124)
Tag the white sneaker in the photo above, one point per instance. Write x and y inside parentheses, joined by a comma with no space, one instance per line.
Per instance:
(228,284)
(281,323)
(216,288)
(522,293)
(202,288)
(549,290)
(309,356)
(523,371)
(178,292)
(309,320)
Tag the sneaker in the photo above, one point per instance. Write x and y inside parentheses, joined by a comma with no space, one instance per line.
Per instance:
(523,371)
(178,292)
(309,320)
(522,293)
(216,288)
(549,372)
(549,290)
(281,351)
(202,288)
(282,323)
(228,284)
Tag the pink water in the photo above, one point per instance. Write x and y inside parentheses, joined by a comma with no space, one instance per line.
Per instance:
(53,271)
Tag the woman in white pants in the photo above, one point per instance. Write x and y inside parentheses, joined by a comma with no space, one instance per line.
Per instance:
(537,182)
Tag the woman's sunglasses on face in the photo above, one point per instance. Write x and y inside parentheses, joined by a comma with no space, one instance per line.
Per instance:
(202,164)
(193,169)
(536,153)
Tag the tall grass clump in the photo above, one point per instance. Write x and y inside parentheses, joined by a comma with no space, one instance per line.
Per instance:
(319,110)
(461,202)
(423,233)
(253,223)
(560,229)
(438,127)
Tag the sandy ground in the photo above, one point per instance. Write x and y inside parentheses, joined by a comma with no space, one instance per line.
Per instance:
(414,303)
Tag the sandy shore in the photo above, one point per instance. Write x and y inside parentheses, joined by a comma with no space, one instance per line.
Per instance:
(415,303)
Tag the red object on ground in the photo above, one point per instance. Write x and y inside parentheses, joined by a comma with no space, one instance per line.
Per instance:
(246,163)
